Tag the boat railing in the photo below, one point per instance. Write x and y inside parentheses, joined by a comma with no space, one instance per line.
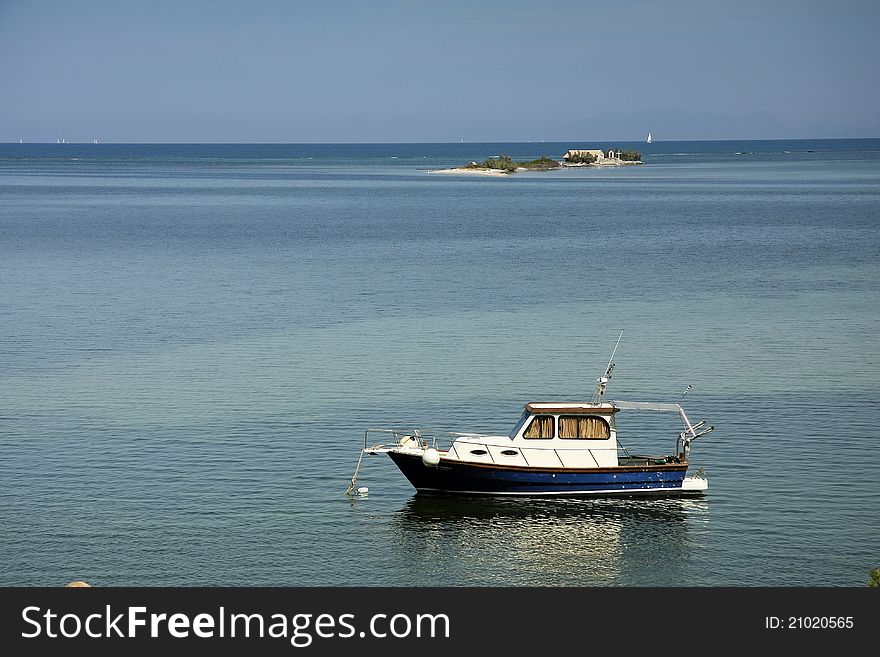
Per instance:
(439,440)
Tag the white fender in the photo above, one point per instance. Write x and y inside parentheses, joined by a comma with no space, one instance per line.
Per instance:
(431,457)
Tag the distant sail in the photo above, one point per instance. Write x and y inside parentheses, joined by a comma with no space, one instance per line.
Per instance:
(649,138)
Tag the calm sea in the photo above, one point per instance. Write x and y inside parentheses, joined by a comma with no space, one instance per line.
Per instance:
(193,339)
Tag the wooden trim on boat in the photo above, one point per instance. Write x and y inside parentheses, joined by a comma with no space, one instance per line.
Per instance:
(570,410)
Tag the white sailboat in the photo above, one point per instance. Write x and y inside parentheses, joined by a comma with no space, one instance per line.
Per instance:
(649,138)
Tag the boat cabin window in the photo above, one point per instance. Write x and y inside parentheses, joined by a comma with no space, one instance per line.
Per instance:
(542,426)
(519,425)
(588,427)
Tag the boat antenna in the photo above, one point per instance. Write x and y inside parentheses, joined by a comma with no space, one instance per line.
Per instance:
(602,381)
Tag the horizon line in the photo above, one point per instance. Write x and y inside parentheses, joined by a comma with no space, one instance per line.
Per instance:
(403,143)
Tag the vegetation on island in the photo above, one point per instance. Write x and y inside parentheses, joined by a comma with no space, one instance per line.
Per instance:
(585,157)
(508,164)
(541,164)
(874,582)
(582,158)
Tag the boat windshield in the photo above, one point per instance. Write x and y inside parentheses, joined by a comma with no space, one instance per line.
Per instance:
(519,425)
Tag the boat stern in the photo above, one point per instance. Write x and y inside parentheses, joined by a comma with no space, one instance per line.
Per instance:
(695,483)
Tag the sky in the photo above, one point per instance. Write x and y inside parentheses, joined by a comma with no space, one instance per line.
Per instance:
(279,71)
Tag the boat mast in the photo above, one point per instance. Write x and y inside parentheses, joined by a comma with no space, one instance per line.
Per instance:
(602,381)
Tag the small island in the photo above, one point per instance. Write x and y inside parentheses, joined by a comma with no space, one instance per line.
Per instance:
(503,165)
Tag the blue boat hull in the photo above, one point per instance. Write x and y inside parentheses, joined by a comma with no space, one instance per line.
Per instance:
(488,479)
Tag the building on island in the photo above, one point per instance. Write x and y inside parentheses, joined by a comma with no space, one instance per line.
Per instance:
(578,157)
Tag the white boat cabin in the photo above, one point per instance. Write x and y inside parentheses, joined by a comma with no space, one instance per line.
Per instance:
(549,434)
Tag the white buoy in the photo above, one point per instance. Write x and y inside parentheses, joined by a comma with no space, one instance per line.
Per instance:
(431,457)
(363,490)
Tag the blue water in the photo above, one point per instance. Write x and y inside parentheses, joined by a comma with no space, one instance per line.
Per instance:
(193,339)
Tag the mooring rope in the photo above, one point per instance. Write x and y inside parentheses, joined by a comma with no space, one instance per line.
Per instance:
(354,477)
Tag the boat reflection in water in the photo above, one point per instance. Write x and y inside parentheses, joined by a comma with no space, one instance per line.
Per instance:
(550,542)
